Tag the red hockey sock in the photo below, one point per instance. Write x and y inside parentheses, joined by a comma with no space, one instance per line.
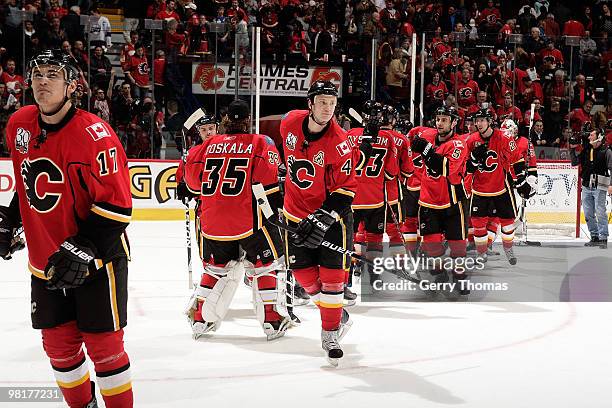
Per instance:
(331,297)
(480,234)
(394,234)
(112,367)
(432,245)
(64,346)
(507,233)
(410,229)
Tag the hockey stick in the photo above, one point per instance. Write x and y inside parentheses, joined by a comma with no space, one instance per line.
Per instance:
(264,205)
(355,116)
(187,126)
(523,213)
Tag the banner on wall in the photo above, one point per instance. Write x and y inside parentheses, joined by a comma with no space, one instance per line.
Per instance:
(274,80)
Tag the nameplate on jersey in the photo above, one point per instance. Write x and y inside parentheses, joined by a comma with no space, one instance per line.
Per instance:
(98,131)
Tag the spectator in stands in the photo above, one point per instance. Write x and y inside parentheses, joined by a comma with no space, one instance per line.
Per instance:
(55,10)
(435,93)
(508,110)
(71,23)
(526,20)
(581,92)
(551,27)
(123,109)
(56,34)
(554,122)
(532,90)
(537,136)
(100,105)
(159,81)
(604,20)
(99,30)
(484,79)
(551,51)
(581,115)
(174,124)
(128,49)
(490,18)
(169,13)
(101,68)
(573,28)
(557,90)
(138,72)
(466,89)
(396,73)
(534,43)
(79,53)
(590,57)
(537,112)
(10,75)
(390,17)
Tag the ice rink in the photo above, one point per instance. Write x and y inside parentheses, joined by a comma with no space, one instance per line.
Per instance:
(477,355)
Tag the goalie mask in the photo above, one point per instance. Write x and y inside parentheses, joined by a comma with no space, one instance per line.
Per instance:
(509,128)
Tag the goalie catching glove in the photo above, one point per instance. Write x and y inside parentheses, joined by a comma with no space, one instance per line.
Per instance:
(526,186)
(68,267)
(9,240)
(312,229)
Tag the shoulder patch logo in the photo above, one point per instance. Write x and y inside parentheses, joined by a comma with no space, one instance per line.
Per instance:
(291,141)
(319,159)
(98,131)
(22,140)
(343,148)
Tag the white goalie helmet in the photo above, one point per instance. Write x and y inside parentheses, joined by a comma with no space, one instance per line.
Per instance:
(509,128)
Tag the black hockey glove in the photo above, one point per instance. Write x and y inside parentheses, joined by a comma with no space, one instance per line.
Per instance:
(183,193)
(9,240)
(312,229)
(524,189)
(68,267)
(479,154)
(422,146)
(366,146)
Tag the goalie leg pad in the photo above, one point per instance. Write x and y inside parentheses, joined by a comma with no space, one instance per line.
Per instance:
(269,290)
(217,300)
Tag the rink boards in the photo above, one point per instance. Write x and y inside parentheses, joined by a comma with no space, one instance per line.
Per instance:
(153,187)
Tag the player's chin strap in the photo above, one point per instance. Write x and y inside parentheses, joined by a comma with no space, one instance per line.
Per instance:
(64,102)
(312,116)
(52,127)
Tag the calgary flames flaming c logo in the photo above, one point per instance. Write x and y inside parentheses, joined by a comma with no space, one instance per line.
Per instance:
(208,77)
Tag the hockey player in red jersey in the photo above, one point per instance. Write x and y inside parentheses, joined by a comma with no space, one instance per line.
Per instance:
(377,163)
(491,154)
(73,197)
(413,187)
(319,190)
(526,151)
(222,172)
(441,213)
(395,188)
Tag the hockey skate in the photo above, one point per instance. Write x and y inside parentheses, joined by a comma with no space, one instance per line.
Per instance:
(491,252)
(200,328)
(330,344)
(300,297)
(350,297)
(277,329)
(510,255)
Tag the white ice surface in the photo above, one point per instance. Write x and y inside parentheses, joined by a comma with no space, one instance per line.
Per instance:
(502,355)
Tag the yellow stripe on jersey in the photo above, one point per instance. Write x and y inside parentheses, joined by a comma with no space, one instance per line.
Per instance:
(270,242)
(228,238)
(37,272)
(112,292)
(110,214)
(345,192)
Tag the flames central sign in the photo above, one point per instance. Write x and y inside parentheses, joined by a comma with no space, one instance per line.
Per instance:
(274,80)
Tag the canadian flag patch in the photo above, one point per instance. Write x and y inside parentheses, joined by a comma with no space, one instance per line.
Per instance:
(343,148)
(98,131)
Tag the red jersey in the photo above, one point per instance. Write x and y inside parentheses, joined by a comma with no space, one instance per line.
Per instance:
(139,69)
(445,189)
(167,15)
(527,152)
(554,53)
(466,92)
(414,182)
(127,51)
(573,28)
(160,68)
(490,15)
(441,52)
(317,168)
(76,181)
(371,176)
(222,170)
(405,166)
(6,78)
(490,180)
(512,112)
(436,92)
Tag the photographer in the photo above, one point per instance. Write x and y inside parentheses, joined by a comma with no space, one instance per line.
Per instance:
(595,159)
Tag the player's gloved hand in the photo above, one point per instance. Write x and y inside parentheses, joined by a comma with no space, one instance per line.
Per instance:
(183,193)
(9,240)
(479,154)
(68,267)
(421,145)
(366,146)
(312,229)
(524,189)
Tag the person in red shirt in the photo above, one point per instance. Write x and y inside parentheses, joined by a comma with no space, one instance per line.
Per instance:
(169,13)
(466,90)
(442,215)
(75,222)
(55,10)
(551,51)
(138,72)
(128,50)
(579,116)
(491,16)
(159,80)
(508,110)
(491,155)
(222,173)
(537,102)
(9,75)
(482,103)
(435,93)
(319,191)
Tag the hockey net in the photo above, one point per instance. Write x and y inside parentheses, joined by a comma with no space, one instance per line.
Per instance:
(555,209)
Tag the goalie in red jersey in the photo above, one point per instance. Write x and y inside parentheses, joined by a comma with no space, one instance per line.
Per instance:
(221,173)
(319,190)
(73,198)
